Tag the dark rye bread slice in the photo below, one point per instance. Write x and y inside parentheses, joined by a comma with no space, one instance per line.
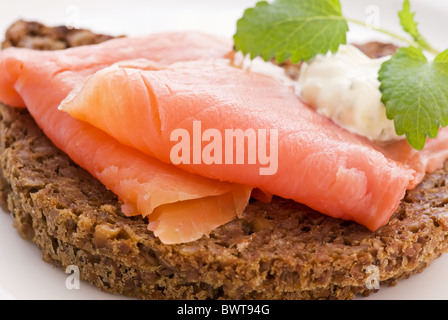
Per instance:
(281,250)
(38,36)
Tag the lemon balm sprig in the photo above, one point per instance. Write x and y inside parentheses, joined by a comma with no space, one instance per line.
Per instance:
(414,90)
(423,45)
(410,26)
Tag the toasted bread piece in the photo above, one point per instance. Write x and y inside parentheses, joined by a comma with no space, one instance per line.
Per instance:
(280,250)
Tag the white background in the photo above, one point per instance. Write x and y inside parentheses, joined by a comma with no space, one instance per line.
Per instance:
(23,274)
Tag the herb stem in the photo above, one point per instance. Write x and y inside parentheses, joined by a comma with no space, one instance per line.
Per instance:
(426,47)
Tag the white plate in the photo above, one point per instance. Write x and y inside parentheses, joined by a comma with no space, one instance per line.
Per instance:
(23,274)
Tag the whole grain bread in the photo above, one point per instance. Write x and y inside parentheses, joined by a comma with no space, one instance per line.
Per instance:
(281,250)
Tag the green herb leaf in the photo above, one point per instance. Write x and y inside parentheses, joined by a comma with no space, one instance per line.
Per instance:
(293,29)
(415,94)
(407,21)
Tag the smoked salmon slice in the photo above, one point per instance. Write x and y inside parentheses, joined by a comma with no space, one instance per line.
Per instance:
(180,206)
(319,164)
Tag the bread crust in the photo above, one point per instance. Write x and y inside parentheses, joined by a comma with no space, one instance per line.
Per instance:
(281,250)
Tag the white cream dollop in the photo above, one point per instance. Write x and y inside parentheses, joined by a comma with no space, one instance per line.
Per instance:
(344,87)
